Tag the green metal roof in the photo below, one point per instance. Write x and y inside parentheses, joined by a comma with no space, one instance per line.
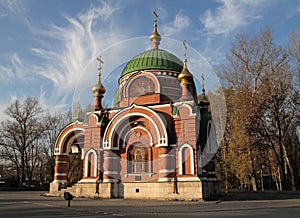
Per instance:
(153,59)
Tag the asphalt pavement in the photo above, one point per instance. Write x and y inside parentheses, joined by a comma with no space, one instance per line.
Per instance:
(267,204)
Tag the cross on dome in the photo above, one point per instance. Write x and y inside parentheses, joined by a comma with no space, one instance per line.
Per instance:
(155,36)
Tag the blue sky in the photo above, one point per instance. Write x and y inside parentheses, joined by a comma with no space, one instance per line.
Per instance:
(48,48)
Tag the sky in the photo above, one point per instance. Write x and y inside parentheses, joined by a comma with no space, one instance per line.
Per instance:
(48,49)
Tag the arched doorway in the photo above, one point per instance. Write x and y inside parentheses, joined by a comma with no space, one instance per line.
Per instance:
(74,171)
(68,163)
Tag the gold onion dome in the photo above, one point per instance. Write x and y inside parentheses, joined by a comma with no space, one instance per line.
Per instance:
(155,34)
(185,75)
(98,88)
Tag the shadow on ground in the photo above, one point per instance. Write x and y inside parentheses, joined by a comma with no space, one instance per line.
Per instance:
(253,196)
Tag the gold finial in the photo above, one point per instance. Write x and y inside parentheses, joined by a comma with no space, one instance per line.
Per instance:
(185,75)
(155,37)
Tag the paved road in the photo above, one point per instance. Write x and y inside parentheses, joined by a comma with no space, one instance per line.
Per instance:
(32,204)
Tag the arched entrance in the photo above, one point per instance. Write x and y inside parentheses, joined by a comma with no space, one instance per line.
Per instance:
(68,163)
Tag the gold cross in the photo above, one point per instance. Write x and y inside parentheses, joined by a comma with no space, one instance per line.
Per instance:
(100,67)
(100,61)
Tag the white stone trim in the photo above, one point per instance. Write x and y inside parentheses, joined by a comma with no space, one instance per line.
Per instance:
(60,174)
(159,106)
(168,179)
(110,180)
(131,130)
(111,158)
(192,164)
(139,174)
(88,180)
(167,171)
(59,181)
(167,155)
(110,172)
(188,179)
(120,121)
(59,150)
(95,162)
(61,161)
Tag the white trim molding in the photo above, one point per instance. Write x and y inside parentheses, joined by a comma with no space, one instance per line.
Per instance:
(180,158)
(87,160)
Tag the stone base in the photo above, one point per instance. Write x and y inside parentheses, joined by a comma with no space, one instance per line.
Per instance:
(191,190)
(186,190)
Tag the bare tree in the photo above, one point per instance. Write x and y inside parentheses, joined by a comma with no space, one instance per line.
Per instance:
(53,124)
(19,135)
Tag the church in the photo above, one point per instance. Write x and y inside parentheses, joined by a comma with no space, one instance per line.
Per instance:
(151,144)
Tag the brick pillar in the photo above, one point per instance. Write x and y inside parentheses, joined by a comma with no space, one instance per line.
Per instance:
(111,167)
(167,164)
(61,167)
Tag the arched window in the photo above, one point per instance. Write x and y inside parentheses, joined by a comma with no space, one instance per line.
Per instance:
(186,160)
(138,156)
(91,164)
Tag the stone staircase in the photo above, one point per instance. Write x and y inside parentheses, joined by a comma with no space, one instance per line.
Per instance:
(71,189)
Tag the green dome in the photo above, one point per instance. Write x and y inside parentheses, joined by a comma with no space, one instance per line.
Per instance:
(154,59)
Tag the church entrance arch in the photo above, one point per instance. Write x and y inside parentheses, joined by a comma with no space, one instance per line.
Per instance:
(68,158)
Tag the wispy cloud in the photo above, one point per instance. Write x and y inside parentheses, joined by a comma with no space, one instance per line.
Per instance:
(230,15)
(18,9)
(180,23)
(13,70)
(77,43)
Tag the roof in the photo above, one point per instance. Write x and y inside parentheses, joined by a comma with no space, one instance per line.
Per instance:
(154,59)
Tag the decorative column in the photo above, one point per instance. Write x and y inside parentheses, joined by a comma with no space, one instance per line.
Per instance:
(111,166)
(167,164)
(60,170)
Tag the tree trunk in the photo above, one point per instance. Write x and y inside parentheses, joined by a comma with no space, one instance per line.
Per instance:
(290,168)
(253,183)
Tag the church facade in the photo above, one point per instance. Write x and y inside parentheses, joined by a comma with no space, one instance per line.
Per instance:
(151,143)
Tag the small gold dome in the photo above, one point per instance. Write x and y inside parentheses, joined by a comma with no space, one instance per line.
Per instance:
(155,34)
(185,75)
(98,89)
